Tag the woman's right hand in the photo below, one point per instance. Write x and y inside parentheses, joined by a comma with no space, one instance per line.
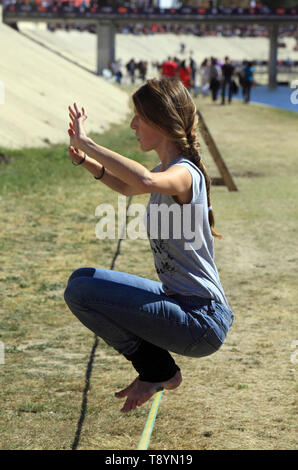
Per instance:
(76,129)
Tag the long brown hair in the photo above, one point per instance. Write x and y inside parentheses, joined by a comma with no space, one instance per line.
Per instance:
(166,104)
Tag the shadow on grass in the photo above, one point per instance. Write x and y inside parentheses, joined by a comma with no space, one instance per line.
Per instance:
(90,363)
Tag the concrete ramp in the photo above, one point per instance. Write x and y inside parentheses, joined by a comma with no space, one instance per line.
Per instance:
(39,85)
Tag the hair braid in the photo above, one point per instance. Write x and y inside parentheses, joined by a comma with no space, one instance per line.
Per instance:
(190,147)
(167,105)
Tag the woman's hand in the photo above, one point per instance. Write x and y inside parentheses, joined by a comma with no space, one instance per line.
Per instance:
(76,129)
(75,154)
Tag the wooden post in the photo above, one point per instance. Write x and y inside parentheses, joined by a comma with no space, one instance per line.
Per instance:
(219,161)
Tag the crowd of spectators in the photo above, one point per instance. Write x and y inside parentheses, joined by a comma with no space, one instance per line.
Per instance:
(150,6)
(144,6)
(198,29)
(225,78)
(222,30)
(201,30)
(212,77)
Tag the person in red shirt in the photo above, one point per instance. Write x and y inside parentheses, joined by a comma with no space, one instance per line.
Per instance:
(185,75)
(169,68)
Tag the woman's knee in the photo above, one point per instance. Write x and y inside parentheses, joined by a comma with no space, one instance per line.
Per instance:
(75,285)
(81,272)
(73,291)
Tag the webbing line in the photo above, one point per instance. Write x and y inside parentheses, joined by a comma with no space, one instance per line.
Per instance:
(149,425)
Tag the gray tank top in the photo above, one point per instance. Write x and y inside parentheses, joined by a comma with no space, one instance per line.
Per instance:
(181,240)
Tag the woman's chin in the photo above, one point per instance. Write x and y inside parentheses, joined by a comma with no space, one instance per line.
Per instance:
(145,148)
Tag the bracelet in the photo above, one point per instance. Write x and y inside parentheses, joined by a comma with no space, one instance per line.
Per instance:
(99,177)
(82,161)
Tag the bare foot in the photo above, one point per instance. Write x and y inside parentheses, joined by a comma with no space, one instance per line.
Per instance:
(139,392)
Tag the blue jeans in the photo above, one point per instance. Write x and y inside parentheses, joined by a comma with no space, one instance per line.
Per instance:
(123,309)
(226,83)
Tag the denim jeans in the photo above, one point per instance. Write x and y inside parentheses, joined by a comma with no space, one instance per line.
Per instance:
(123,309)
(226,83)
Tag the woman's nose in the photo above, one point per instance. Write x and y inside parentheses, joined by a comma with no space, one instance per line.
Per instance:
(133,123)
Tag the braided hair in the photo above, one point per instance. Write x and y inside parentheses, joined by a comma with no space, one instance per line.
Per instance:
(167,105)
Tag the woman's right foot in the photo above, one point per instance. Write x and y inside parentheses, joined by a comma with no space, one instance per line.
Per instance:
(138,392)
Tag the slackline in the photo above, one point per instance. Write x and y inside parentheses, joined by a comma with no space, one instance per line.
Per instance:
(149,425)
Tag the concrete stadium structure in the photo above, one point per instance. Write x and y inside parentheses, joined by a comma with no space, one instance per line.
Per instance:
(107,19)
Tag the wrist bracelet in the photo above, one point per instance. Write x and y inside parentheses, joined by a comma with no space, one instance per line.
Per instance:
(82,161)
(99,177)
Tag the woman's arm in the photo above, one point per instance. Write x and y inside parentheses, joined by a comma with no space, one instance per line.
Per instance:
(139,180)
(129,171)
(96,169)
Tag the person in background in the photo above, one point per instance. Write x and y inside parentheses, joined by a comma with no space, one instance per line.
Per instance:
(184,72)
(205,74)
(214,78)
(248,79)
(193,66)
(115,67)
(142,66)
(169,68)
(227,77)
(131,68)
(240,74)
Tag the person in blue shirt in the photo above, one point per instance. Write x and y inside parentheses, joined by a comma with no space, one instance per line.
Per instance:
(248,79)
(186,311)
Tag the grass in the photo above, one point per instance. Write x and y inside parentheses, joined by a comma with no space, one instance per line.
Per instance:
(242,397)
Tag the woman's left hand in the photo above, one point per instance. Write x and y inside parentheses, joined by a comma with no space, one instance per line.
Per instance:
(75,154)
(76,129)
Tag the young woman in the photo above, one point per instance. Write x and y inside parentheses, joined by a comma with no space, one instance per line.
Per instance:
(187,312)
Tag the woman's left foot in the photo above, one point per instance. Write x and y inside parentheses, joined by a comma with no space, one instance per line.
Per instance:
(139,392)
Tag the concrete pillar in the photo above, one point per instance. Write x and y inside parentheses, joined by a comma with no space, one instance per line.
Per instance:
(273,38)
(105,45)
